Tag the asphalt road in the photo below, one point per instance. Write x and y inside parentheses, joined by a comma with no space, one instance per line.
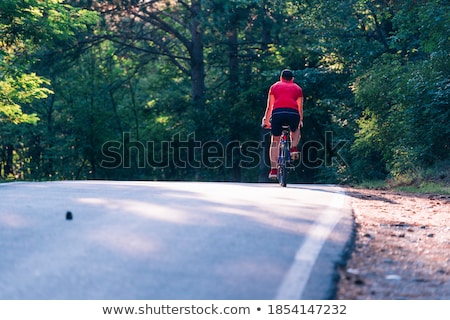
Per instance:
(170,240)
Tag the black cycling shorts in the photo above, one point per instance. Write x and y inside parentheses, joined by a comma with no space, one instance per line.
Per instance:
(284,116)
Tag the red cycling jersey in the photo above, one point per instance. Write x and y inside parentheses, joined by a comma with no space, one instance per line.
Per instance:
(286,94)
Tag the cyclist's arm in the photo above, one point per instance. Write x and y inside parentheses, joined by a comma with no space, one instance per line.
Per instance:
(300,109)
(268,113)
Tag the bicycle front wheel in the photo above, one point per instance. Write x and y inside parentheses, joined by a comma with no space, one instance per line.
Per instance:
(282,175)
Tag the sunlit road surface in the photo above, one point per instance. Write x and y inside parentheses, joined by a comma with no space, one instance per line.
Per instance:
(170,240)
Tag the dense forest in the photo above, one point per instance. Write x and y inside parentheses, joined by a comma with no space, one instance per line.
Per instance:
(175,90)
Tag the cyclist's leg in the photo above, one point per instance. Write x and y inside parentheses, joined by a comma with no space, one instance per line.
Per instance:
(274,151)
(294,120)
(295,137)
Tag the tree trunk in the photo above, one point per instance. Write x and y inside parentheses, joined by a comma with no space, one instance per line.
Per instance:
(9,167)
(197,61)
(233,94)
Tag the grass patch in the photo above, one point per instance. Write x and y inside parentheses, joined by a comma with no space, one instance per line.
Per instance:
(433,180)
(426,187)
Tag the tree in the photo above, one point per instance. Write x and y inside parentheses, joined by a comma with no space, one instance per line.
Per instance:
(171,29)
(27,26)
(158,74)
(405,94)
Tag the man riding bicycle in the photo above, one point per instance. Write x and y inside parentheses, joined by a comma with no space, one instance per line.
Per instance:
(284,106)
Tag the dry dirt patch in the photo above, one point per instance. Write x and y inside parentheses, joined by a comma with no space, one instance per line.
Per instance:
(401,248)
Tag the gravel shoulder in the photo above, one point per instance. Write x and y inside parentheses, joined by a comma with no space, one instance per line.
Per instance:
(401,247)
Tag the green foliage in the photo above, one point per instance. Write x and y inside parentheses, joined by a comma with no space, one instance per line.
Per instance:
(406,115)
(26,25)
(375,75)
(21,90)
(404,96)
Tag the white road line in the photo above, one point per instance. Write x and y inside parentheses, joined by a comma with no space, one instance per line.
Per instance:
(294,282)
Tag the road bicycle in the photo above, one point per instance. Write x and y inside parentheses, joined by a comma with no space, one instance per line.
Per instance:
(284,162)
(284,157)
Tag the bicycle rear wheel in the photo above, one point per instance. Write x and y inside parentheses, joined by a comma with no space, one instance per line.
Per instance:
(282,168)
(282,175)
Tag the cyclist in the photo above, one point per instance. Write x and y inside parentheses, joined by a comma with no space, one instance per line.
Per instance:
(284,106)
